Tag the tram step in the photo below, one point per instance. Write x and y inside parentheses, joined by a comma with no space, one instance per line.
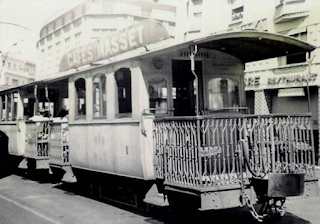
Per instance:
(158,200)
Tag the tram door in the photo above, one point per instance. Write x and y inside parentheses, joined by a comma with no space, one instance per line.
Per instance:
(183,87)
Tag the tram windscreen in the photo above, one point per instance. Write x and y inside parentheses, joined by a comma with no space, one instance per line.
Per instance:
(223,93)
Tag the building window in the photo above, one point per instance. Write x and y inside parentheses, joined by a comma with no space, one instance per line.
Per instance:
(67,40)
(96,33)
(80,85)
(99,96)
(7,81)
(123,80)
(197,2)
(300,36)
(223,92)
(9,64)
(237,14)
(15,82)
(296,58)
(77,35)
(196,23)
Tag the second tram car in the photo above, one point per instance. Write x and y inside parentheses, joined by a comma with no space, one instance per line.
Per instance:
(168,125)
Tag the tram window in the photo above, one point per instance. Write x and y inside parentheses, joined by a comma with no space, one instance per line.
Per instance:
(158,94)
(123,80)
(14,108)
(222,93)
(99,96)
(80,85)
(3,112)
(28,107)
(9,107)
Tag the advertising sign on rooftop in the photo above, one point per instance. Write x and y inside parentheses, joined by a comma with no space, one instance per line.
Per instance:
(142,34)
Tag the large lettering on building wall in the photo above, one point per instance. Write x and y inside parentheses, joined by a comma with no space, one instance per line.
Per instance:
(138,35)
(280,81)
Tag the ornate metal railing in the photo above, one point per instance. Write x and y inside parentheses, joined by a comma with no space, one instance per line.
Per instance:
(59,143)
(37,133)
(204,151)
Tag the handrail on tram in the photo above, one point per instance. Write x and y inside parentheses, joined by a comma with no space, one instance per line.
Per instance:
(146,112)
(235,109)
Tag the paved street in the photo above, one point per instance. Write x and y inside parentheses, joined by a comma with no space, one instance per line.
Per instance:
(26,201)
(54,205)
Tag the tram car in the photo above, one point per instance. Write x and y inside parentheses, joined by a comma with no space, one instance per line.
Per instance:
(163,124)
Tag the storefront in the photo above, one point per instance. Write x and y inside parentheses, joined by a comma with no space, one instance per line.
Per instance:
(289,90)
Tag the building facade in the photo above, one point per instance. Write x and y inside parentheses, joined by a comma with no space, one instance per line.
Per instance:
(92,20)
(16,71)
(287,84)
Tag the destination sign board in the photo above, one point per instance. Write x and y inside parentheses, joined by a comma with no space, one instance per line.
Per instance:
(147,32)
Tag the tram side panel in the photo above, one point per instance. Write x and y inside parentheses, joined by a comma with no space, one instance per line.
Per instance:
(16,140)
(107,148)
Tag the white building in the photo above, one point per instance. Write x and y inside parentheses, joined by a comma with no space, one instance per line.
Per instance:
(91,20)
(15,71)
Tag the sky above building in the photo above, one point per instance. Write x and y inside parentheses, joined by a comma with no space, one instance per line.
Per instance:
(21,21)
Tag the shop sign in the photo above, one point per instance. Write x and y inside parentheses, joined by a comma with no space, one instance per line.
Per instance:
(291,92)
(292,80)
(138,35)
(252,81)
(279,81)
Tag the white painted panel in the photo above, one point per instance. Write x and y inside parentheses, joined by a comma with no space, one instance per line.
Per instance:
(16,139)
(109,147)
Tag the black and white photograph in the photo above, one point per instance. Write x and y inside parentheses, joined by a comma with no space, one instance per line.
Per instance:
(159,111)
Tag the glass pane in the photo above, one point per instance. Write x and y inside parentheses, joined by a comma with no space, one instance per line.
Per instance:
(3,118)
(15,107)
(223,92)
(99,96)
(9,115)
(123,79)
(158,94)
(80,85)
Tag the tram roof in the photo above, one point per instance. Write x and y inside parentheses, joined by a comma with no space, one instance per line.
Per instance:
(247,45)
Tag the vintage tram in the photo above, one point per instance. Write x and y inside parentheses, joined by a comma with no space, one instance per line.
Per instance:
(166,124)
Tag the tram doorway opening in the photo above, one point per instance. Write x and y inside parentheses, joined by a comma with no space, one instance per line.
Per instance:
(184,87)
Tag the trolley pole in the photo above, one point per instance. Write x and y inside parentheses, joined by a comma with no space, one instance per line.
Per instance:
(192,55)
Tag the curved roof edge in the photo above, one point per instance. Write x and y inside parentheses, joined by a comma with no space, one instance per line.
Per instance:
(254,45)
(245,45)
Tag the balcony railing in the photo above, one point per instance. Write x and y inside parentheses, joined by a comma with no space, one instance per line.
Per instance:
(200,152)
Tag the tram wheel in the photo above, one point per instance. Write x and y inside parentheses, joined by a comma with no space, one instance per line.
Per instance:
(272,208)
